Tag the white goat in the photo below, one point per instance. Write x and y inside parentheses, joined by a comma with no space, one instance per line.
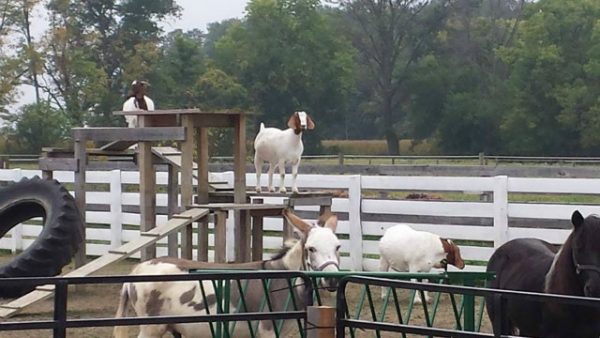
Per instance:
(278,147)
(404,249)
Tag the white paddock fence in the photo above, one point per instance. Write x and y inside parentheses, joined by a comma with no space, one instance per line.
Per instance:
(365,211)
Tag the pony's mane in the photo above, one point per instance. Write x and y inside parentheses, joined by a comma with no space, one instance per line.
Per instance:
(287,246)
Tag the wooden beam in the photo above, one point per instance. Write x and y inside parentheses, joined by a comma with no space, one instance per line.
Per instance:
(147,191)
(173,208)
(130,134)
(187,162)
(81,161)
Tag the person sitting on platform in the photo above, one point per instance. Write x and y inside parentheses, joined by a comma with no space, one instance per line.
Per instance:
(137,100)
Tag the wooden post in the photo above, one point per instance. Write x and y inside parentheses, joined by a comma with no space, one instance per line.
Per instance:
(500,210)
(202,148)
(241,221)
(242,237)
(47,174)
(320,322)
(173,208)
(220,236)
(116,209)
(187,162)
(147,190)
(81,162)
(257,234)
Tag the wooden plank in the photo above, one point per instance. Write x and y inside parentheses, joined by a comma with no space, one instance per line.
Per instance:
(147,190)
(257,234)
(66,164)
(192,111)
(141,134)
(187,161)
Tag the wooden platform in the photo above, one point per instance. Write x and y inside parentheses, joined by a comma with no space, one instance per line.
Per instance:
(146,238)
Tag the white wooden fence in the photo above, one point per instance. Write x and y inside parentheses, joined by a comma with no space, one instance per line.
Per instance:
(479,225)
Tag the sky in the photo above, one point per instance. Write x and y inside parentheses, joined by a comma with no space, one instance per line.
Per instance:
(194,14)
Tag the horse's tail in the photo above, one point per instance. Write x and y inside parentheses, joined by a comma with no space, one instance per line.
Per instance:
(122,331)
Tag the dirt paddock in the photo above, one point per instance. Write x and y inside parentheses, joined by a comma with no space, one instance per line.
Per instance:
(100,301)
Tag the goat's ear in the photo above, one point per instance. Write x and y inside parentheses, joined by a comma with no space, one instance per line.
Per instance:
(297,222)
(294,121)
(311,123)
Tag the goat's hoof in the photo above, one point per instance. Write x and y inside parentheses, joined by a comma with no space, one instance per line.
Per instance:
(258,190)
(271,189)
(295,191)
(282,190)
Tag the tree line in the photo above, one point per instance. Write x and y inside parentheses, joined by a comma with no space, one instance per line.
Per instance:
(500,76)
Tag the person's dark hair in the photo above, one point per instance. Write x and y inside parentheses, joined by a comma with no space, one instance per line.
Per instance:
(138,90)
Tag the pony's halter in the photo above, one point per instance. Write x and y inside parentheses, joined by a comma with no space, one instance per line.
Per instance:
(584,267)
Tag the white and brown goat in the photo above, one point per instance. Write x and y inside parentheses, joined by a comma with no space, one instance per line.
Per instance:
(278,147)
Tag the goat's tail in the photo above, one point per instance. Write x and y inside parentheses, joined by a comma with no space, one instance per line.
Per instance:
(122,331)
(262,126)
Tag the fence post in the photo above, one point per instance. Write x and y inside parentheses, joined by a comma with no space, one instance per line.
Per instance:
(500,210)
(229,232)
(17,231)
(116,209)
(355,223)
(320,322)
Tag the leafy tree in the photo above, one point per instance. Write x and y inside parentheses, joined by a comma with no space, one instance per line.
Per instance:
(459,92)
(555,74)
(289,57)
(39,125)
(109,41)
(176,71)
(10,66)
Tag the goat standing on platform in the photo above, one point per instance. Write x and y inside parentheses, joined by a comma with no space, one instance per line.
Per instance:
(278,146)
(137,100)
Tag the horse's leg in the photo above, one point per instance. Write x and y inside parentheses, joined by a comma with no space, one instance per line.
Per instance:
(295,166)
(271,169)
(258,166)
(281,166)
(384,266)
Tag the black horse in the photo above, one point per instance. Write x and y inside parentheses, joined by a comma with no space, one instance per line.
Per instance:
(534,265)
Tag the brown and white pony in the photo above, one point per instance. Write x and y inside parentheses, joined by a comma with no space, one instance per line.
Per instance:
(318,249)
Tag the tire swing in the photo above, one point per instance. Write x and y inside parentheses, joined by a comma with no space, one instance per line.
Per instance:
(59,239)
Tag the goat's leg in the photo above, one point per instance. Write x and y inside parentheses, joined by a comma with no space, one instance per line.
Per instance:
(152,331)
(281,166)
(418,299)
(384,266)
(258,166)
(295,166)
(271,169)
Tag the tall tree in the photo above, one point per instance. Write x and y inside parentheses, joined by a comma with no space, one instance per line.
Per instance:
(459,91)
(289,57)
(390,35)
(555,73)
(10,65)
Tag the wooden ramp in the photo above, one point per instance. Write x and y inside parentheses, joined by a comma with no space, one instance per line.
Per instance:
(146,238)
(173,156)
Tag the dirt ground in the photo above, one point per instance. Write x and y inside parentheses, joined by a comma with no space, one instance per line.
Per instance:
(100,301)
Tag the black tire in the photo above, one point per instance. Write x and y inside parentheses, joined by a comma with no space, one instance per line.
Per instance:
(61,235)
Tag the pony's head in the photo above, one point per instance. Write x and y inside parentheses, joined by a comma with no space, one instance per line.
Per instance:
(321,246)
(585,241)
